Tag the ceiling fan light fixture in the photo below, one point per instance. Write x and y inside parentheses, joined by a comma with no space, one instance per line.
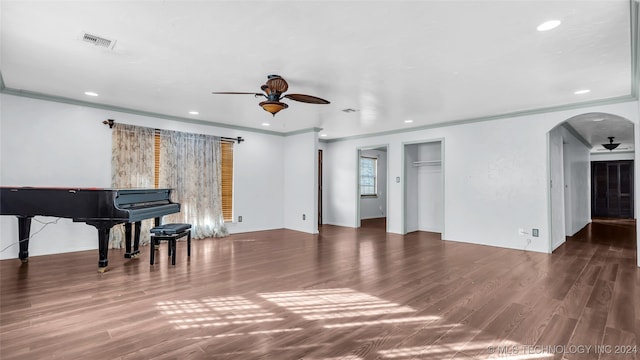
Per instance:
(273,106)
(610,146)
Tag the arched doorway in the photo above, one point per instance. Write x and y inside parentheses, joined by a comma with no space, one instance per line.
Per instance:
(585,177)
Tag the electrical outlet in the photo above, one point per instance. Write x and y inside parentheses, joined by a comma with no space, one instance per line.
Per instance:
(534,232)
(239,218)
(304,216)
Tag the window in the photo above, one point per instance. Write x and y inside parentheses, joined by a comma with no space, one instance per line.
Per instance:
(368,180)
(226,157)
(156,153)
(227,180)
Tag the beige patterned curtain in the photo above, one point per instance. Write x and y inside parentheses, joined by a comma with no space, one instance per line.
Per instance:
(132,166)
(190,164)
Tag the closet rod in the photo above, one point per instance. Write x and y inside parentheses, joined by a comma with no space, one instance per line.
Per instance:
(427,163)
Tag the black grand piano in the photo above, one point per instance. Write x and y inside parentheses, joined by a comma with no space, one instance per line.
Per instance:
(102,208)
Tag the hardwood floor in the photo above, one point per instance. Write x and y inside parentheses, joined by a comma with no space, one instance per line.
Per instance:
(344,294)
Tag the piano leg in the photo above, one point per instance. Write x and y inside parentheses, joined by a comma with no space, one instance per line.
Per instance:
(136,240)
(103,247)
(24,230)
(127,240)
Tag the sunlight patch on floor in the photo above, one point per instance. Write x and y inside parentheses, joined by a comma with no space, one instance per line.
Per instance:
(349,310)
(214,312)
(447,351)
(333,303)
(406,320)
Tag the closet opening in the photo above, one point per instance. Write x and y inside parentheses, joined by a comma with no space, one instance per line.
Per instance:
(423,187)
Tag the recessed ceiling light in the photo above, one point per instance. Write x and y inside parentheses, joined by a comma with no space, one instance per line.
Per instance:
(548,25)
(323,135)
(194,113)
(409,121)
(583,91)
(90,93)
(266,124)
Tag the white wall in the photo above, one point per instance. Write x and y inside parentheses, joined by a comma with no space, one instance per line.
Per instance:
(411,183)
(258,177)
(577,183)
(557,187)
(301,182)
(45,143)
(376,207)
(495,175)
(340,184)
(612,156)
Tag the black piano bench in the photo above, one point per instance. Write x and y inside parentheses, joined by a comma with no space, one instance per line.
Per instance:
(171,233)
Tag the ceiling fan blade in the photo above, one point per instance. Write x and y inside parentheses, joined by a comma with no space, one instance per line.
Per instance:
(306,98)
(236,93)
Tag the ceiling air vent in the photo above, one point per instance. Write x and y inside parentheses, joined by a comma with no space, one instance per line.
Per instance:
(98,41)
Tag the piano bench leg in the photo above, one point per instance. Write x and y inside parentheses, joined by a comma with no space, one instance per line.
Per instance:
(172,252)
(152,250)
(189,243)
(171,245)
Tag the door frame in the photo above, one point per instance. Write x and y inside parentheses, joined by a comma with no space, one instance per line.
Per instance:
(404,181)
(359,150)
(320,165)
(556,219)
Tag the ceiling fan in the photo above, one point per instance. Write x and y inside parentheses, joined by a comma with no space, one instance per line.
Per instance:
(273,91)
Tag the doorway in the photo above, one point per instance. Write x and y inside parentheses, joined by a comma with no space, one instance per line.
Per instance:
(423,187)
(612,189)
(372,187)
(586,179)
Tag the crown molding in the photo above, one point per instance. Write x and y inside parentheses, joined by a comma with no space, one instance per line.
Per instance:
(65,100)
(573,106)
(59,99)
(303,131)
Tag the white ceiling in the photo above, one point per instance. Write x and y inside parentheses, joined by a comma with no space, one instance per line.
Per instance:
(391,61)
